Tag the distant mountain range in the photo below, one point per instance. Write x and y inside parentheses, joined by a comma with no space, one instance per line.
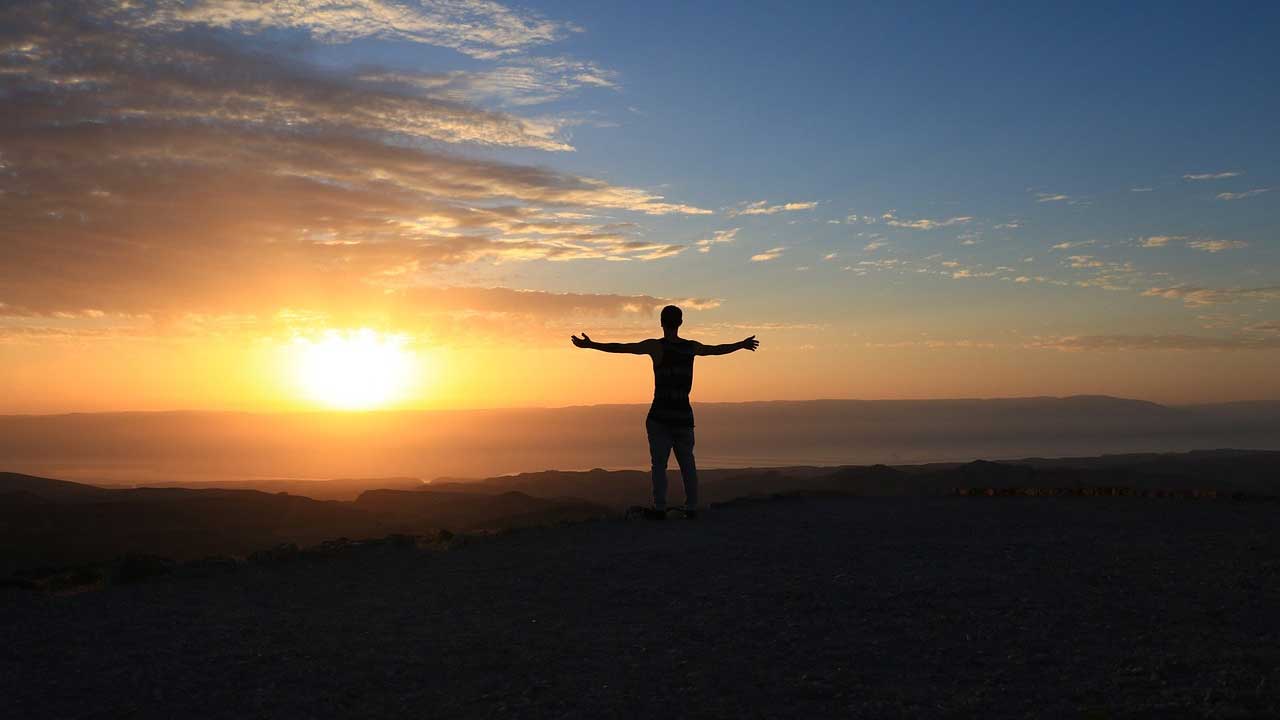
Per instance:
(281,452)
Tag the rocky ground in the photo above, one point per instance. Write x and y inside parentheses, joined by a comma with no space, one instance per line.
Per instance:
(946,607)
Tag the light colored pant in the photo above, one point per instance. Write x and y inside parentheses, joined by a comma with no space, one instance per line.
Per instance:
(663,439)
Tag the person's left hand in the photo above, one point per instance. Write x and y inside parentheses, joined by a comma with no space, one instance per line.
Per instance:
(582,342)
(750,343)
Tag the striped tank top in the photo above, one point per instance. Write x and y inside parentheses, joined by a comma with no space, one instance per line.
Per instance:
(672,381)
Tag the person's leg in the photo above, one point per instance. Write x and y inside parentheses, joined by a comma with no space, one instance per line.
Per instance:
(682,440)
(659,451)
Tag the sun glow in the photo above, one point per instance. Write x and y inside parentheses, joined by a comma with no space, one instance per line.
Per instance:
(354,370)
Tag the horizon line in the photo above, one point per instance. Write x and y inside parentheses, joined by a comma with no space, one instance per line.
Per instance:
(501,408)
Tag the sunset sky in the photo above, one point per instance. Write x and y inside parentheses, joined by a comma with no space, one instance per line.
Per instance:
(230,205)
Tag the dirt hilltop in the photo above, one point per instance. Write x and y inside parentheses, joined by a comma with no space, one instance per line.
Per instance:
(821,606)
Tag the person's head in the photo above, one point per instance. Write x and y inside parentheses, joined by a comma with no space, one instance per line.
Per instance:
(671,317)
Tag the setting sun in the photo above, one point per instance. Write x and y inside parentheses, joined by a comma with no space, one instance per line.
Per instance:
(354,370)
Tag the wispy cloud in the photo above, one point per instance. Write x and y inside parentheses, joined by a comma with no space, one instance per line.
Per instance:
(893,220)
(762,207)
(1242,195)
(934,344)
(1157,342)
(1197,296)
(1271,327)
(519,82)
(693,303)
(542,303)
(103,73)
(451,312)
(223,181)
(1069,244)
(767,255)
(1084,261)
(719,237)
(1141,189)
(1214,246)
(874,245)
(479,28)
(972,273)
(1026,279)
(862,267)
(1209,176)
(774,326)
(1052,197)
(1203,244)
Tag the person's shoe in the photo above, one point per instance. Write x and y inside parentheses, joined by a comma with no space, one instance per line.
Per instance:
(655,514)
(687,513)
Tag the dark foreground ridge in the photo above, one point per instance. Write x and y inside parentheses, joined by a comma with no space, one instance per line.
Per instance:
(808,606)
(59,535)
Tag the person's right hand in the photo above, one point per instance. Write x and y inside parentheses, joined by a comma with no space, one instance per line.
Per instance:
(582,342)
(750,343)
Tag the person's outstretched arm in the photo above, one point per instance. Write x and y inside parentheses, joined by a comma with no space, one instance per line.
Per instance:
(644,347)
(750,343)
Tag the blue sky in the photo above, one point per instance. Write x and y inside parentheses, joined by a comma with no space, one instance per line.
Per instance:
(932,112)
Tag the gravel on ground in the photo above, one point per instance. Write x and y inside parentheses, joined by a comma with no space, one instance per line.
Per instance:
(822,607)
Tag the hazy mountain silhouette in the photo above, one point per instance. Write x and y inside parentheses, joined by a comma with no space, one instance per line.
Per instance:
(336,489)
(15,486)
(274,450)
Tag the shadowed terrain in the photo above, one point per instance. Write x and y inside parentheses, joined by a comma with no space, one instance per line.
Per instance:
(1250,472)
(861,607)
(51,524)
(48,523)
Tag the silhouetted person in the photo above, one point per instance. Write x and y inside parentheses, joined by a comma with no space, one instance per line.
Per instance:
(670,420)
